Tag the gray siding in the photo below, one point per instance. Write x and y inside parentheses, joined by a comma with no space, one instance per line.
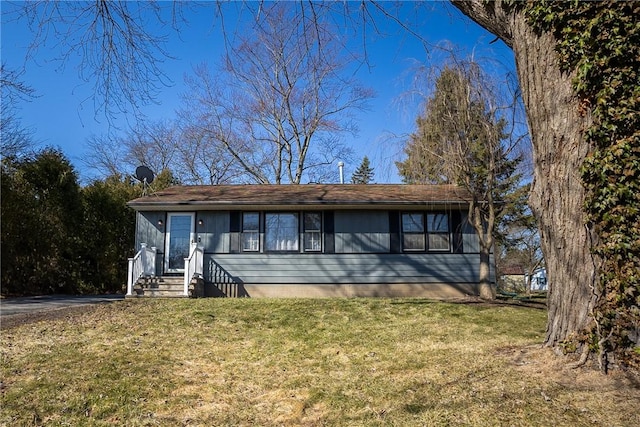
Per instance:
(470,243)
(148,231)
(362,232)
(214,231)
(345,268)
(362,246)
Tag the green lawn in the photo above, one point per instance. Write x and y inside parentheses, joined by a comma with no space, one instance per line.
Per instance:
(335,362)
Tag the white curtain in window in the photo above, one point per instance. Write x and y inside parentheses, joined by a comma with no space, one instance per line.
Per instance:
(281,231)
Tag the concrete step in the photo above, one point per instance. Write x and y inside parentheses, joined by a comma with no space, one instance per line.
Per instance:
(155,293)
(169,280)
(165,286)
(160,287)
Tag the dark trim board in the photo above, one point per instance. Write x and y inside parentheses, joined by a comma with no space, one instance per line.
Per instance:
(350,290)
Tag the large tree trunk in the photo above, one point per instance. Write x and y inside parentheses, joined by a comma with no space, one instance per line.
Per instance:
(559,150)
(486,290)
(557,194)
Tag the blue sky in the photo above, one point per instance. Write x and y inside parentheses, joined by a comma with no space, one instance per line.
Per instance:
(62,114)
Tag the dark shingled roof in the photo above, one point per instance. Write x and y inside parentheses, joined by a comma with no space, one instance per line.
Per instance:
(512,270)
(290,195)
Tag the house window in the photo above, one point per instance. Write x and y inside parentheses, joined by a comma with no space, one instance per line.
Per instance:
(419,236)
(281,231)
(250,232)
(413,232)
(438,231)
(312,232)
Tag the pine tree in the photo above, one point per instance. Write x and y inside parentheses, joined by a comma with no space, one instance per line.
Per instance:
(364,173)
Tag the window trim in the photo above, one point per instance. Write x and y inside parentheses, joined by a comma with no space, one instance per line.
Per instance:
(446,233)
(245,233)
(420,233)
(306,232)
(425,233)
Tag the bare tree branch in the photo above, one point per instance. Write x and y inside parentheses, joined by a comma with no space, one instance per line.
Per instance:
(121,46)
(15,139)
(283,89)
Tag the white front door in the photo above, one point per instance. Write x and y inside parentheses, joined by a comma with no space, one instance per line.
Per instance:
(180,232)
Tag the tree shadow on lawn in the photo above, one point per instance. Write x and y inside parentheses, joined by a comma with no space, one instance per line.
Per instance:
(538,304)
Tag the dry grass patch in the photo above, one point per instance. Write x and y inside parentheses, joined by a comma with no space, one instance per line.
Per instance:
(340,362)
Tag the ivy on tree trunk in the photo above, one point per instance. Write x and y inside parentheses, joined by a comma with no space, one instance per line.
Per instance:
(578,66)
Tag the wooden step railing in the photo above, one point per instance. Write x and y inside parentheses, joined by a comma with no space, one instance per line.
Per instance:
(193,266)
(143,264)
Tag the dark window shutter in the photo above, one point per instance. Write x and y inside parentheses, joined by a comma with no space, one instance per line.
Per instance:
(234,229)
(456,228)
(394,232)
(329,229)
(234,221)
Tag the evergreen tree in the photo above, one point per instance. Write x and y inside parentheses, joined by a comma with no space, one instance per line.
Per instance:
(41,217)
(364,173)
(109,232)
(462,140)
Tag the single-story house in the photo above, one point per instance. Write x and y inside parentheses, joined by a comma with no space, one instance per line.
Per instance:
(305,240)
(512,278)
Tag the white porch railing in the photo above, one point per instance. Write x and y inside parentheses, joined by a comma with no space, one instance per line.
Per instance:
(143,264)
(193,266)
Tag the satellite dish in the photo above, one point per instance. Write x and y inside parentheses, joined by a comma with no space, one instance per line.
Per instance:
(144,174)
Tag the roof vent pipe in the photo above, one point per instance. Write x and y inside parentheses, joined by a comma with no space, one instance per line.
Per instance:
(341,169)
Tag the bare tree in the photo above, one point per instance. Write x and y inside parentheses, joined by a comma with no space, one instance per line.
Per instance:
(15,139)
(154,144)
(106,156)
(191,155)
(281,97)
(203,161)
(524,249)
